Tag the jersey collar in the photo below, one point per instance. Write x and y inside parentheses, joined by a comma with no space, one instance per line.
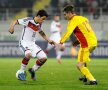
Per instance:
(35,21)
(73,16)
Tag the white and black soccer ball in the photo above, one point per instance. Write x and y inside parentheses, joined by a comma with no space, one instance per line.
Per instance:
(19,72)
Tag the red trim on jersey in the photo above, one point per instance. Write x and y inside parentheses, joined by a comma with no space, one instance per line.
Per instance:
(81,37)
(33,26)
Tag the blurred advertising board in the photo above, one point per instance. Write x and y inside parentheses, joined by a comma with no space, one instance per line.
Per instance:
(11,49)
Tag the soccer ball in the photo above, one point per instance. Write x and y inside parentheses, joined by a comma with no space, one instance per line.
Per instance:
(19,72)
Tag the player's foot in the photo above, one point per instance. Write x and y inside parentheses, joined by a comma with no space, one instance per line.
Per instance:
(84,79)
(32,72)
(92,83)
(22,76)
(59,61)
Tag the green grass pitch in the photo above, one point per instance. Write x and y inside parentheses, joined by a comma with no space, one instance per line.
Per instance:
(52,76)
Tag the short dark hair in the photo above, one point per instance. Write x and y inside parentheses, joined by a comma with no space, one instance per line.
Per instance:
(56,14)
(68,8)
(42,13)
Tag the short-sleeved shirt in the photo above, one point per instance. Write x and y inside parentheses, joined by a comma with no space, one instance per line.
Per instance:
(55,27)
(81,28)
(29,30)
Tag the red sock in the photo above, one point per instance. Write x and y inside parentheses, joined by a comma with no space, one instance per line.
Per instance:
(40,63)
(25,61)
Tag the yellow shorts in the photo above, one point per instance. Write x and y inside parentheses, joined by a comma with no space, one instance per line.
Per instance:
(83,55)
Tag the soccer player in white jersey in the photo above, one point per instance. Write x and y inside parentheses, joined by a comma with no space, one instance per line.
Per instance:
(27,42)
(55,31)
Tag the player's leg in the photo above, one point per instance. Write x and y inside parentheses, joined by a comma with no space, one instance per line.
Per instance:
(83,77)
(58,56)
(83,57)
(49,47)
(22,76)
(25,60)
(24,63)
(42,58)
(59,53)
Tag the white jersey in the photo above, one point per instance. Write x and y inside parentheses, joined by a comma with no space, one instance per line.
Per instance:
(56,37)
(27,42)
(55,27)
(29,30)
(55,31)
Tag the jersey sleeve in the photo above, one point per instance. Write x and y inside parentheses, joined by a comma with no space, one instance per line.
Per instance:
(24,21)
(70,28)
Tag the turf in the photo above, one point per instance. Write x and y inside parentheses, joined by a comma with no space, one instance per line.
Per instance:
(52,76)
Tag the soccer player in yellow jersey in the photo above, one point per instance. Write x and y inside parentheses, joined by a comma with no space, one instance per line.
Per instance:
(80,27)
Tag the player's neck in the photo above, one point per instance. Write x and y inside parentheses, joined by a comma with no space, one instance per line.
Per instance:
(73,15)
(56,20)
(36,19)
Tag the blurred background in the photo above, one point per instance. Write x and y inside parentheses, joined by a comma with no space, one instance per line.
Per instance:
(95,10)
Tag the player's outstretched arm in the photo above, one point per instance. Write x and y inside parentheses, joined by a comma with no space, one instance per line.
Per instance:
(47,39)
(11,29)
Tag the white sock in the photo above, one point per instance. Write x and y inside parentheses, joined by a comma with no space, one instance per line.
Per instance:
(94,80)
(23,67)
(35,67)
(59,54)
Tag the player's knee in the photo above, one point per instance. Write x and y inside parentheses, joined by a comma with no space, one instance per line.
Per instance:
(80,65)
(28,55)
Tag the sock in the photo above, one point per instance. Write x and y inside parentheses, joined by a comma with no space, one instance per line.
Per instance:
(59,54)
(35,67)
(38,65)
(24,63)
(87,73)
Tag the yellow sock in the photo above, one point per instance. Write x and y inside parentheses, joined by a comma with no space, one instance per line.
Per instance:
(87,73)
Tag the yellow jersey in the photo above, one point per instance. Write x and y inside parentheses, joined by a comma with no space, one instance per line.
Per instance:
(81,28)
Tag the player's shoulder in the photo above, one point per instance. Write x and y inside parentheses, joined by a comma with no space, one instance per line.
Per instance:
(31,20)
(54,22)
(27,19)
(81,17)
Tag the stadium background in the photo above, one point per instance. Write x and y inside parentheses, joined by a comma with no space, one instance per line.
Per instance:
(52,76)
(95,10)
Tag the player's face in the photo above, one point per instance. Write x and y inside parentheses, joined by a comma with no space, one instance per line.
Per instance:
(56,18)
(41,19)
(68,15)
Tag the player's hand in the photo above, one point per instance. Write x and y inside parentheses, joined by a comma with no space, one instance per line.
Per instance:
(53,43)
(59,46)
(11,30)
